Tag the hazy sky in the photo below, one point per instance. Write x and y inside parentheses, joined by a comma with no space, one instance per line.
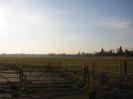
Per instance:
(70,26)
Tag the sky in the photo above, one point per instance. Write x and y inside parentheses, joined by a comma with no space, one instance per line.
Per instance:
(65,26)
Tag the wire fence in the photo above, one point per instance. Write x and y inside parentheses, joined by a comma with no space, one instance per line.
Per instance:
(39,81)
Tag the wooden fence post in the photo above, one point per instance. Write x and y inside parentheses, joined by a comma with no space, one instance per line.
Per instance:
(52,73)
(120,69)
(85,74)
(93,71)
(125,68)
(21,75)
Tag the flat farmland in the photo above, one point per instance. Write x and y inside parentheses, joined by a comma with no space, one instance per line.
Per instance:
(61,60)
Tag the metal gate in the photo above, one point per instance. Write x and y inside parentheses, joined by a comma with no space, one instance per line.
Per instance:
(39,81)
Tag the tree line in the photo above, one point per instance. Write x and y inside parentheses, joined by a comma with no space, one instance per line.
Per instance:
(118,52)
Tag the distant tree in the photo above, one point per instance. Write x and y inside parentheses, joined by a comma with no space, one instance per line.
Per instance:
(120,51)
(109,53)
(78,54)
(102,52)
(113,50)
(127,53)
(83,54)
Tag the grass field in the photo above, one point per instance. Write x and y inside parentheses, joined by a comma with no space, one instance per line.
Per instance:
(56,60)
